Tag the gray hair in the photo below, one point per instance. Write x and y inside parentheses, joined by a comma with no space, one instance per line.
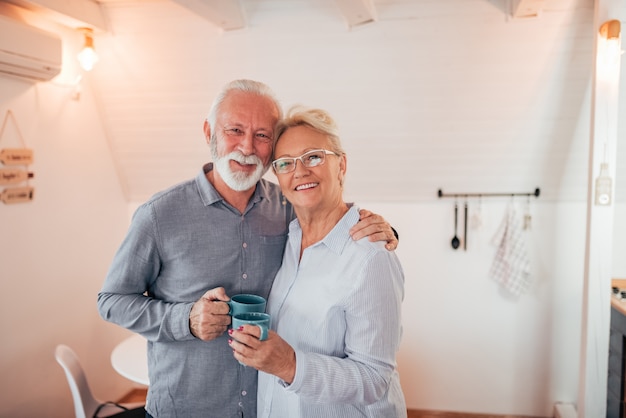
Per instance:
(248,86)
(316,119)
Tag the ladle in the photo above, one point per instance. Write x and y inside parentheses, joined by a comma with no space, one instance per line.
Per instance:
(455,240)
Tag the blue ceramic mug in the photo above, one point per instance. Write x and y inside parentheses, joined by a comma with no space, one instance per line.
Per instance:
(260,319)
(246,303)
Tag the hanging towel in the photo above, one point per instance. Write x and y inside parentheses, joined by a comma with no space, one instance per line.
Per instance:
(511,266)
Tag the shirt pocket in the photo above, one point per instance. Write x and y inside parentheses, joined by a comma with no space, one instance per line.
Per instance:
(274,239)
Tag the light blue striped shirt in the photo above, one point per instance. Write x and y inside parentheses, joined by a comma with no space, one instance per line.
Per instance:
(339,307)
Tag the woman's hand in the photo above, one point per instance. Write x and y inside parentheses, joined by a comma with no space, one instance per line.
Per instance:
(273,356)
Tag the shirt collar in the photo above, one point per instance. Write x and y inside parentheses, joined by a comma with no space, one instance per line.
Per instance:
(339,236)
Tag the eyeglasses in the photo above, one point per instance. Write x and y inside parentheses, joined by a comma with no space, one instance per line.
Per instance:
(309,159)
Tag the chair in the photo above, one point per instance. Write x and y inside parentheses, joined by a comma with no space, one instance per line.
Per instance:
(85,404)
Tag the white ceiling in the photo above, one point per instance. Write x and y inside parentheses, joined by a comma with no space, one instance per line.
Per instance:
(453,94)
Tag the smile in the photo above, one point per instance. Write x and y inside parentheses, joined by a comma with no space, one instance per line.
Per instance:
(306,186)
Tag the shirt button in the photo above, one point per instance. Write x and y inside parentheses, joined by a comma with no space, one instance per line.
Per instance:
(245,245)
(244,393)
(244,276)
(241,404)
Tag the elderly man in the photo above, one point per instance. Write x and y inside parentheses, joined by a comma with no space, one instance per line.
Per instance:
(191,246)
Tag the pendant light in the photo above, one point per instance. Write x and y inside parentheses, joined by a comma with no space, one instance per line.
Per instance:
(87,56)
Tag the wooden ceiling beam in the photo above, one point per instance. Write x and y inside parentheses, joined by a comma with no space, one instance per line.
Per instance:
(226,14)
(71,13)
(526,8)
(357,12)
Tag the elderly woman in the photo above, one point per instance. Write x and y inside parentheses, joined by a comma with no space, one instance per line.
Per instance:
(335,303)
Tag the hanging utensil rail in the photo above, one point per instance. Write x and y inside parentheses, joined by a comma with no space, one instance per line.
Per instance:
(441,194)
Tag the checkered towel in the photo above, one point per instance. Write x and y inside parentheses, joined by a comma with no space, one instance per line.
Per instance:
(511,266)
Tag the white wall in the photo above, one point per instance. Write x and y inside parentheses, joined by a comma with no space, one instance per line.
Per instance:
(55,250)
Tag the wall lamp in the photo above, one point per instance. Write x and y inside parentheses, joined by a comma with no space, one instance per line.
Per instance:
(610,32)
(87,56)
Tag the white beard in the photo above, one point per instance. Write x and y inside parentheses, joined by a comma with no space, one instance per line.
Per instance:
(238,180)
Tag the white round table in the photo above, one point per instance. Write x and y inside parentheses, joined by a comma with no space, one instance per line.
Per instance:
(130,359)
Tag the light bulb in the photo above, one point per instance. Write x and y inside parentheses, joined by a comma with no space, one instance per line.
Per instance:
(88,57)
(610,32)
(613,51)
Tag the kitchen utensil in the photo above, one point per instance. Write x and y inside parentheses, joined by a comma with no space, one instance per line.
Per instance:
(465,229)
(527,217)
(476,220)
(455,240)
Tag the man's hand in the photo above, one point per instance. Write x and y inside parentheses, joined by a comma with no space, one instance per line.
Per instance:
(376,228)
(209,317)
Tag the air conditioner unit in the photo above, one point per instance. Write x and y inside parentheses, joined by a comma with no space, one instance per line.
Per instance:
(28,52)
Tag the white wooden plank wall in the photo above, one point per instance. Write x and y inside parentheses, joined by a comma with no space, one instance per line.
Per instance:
(439,93)
(448,94)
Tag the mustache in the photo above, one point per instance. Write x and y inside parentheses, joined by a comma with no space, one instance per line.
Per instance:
(244,159)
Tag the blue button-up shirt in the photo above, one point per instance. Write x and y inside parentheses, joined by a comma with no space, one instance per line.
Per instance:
(339,307)
(181,243)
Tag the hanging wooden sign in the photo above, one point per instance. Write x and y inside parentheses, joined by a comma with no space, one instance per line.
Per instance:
(14,175)
(16,156)
(17,194)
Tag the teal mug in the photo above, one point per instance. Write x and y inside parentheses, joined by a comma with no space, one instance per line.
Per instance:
(245,303)
(260,319)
